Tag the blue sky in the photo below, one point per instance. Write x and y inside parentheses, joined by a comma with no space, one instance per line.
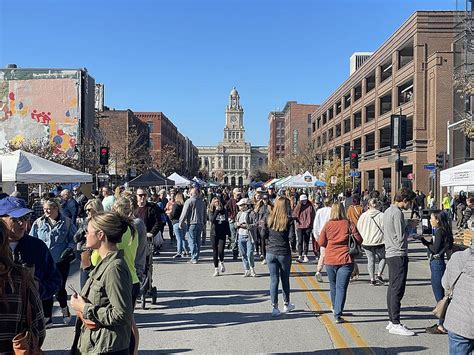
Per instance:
(182,57)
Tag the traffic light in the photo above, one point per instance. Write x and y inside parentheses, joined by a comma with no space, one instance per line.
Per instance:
(104,156)
(398,165)
(440,160)
(354,159)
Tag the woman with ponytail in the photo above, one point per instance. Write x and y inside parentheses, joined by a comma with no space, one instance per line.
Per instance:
(104,306)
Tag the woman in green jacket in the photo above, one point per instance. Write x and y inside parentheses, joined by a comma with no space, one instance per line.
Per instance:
(105,304)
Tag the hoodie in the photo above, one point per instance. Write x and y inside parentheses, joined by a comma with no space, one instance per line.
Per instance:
(370,227)
(194,212)
(460,313)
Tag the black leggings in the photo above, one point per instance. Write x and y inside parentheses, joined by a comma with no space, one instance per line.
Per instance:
(61,296)
(218,244)
(263,243)
(304,235)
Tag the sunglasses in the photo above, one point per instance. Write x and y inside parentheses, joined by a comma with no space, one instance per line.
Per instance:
(20,219)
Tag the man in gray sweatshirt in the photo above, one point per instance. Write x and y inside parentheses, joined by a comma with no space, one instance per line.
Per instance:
(396,247)
(193,219)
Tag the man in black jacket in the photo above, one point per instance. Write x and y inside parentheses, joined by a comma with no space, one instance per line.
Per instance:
(148,213)
(29,251)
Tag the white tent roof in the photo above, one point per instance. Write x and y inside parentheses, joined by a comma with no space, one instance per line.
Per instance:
(461,175)
(179,180)
(304,180)
(27,168)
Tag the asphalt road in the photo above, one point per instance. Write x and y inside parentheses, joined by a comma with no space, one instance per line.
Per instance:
(229,314)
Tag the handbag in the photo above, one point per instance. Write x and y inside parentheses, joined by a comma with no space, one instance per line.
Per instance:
(442,306)
(25,342)
(158,239)
(354,249)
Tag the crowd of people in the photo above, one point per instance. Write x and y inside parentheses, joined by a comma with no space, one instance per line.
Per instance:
(111,232)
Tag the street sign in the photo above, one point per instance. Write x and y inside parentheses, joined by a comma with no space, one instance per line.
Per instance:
(103,176)
(430,166)
(354,173)
(334,180)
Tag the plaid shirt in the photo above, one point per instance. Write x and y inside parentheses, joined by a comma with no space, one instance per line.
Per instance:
(37,208)
(13,313)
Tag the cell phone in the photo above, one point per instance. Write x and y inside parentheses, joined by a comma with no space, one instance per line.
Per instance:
(72,289)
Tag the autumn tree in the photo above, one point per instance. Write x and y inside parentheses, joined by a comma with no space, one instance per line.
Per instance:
(334,168)
(169,160)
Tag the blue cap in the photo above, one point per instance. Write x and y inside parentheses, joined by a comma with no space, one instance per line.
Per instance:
(14,207)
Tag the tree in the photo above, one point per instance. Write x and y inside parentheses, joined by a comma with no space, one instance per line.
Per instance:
(278,168)
(169,160)
(334,168)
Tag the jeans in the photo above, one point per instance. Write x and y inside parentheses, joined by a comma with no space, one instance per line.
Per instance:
(339,276)
(458,345)
(180,240)
(246,247)
(304,235)
(233,239)
(397,278)
(372,253)
(194,234)
(279,267)
(61,295)
(437,268)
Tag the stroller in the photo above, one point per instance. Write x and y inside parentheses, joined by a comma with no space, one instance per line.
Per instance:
(146,288)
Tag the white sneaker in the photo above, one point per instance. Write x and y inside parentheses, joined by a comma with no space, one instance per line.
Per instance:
(275,312)
(216,272)
(246,273)
(400,329)
(300,259)
(288,307)
(264,262)
(389,325)
(66,315)
(222,267)
(48,322)
(252,272)
(305,259)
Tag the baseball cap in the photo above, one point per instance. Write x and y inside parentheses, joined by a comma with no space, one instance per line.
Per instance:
(244,201)
(14,207)
(236,191)
(259,189)
(303,197)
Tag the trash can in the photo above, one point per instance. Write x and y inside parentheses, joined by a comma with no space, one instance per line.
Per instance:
(425,216)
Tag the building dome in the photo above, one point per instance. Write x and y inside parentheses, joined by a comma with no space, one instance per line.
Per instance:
(234,92)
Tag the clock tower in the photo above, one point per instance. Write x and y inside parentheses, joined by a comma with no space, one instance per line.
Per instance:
(234,119)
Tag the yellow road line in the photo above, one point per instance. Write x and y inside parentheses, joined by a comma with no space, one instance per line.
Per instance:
(358,339)
(336,336)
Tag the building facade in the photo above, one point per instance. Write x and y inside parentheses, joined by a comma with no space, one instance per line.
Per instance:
(234,161)
(276,145)
(411,73)
(297,119)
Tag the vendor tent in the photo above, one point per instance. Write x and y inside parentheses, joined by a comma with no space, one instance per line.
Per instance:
(303,180)
(200,182)
(26,168)
(179,180)
(280,182)
(460,175)
(150,178)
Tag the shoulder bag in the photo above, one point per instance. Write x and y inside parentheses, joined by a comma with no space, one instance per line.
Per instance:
(442,306)
(352,243)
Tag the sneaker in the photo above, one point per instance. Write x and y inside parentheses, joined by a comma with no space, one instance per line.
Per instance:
(252,272)
(389,325)
(264,262)
(299,259)
(275,312)
(48,322)
(246,273)
(319,277)
(400,329)
(288,307)
(305,259)
(216,272)
(339,320)
(66,315)
(222,267)
(177,255)
(380,280)
(373,283)
(262,257)
(194,261)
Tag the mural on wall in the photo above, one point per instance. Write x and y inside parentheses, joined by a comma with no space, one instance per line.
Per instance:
(38,110)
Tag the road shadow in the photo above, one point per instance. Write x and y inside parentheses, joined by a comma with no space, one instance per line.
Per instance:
(374,350)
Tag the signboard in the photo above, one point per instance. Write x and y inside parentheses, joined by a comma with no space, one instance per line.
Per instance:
(354,173)
(334,180)
(430,166)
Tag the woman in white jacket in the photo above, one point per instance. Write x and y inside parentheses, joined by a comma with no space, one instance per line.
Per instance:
(370,227)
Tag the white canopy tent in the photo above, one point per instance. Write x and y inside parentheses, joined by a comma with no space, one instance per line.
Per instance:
(179,181)
(25,168)
(460,177)
(301,181)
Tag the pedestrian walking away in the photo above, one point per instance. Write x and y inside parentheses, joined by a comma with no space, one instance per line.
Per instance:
(320,219)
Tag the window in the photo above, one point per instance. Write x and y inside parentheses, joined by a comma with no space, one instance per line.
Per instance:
(409,128)
(384,135)
(151,126)
(370,82)
(405,54)
(347,100)
(314,126)
(330,134)
(324,118)
(309,118)
(357,92)
(386,103)
(331,113)
(318,122)
(370,112)
(405,93)
(357,119)
(318,141)
(347,125)
(324,138)
(370,142)
(357,145)
(338,107)
(150,144)
(309,131)
(386,70)
(338,130)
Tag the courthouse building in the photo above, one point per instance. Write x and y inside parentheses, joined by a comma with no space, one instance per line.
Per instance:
(411,73)
(234,161)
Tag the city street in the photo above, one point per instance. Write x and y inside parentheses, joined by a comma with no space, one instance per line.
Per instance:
(230,314)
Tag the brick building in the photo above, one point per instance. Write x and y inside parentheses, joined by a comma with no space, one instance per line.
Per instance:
(127,137)
(276,145)
(162,133)
(412,73)
(297,118)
